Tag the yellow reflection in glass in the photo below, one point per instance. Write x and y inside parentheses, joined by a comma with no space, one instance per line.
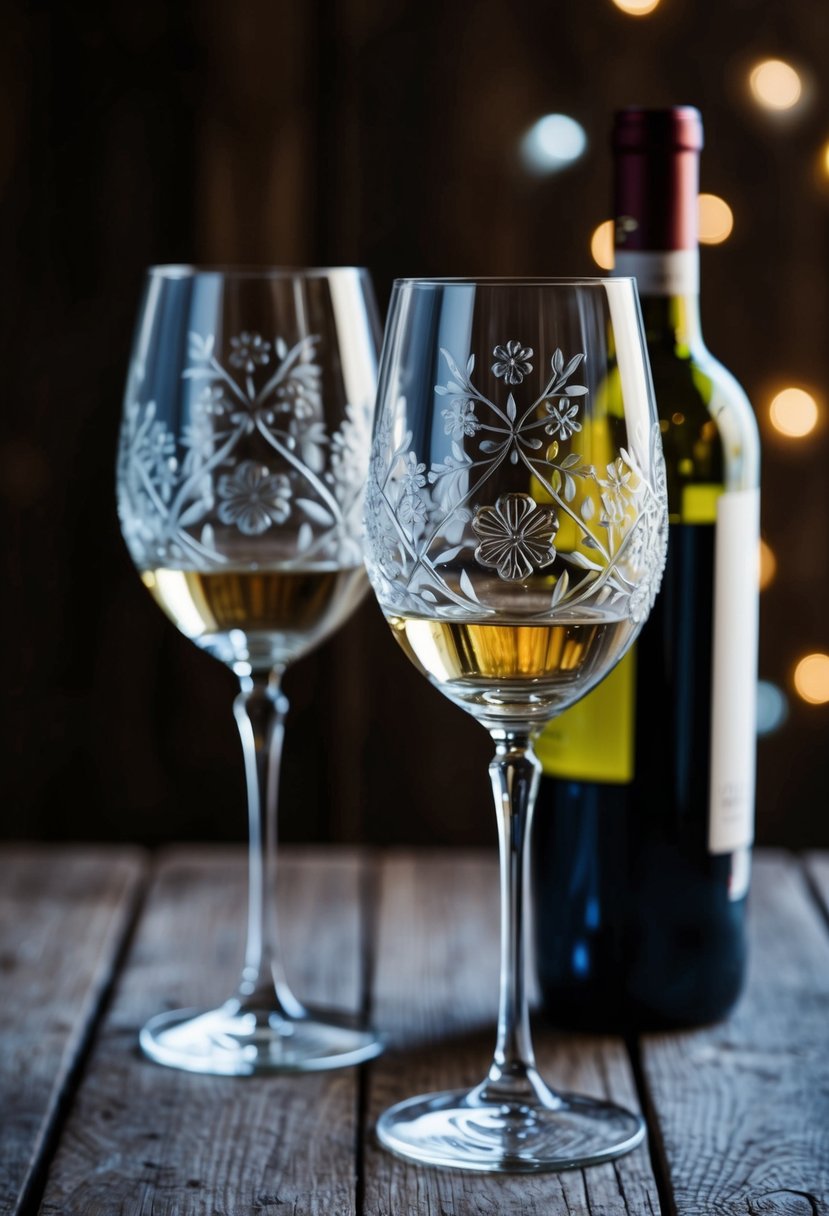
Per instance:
(793,412)
(768,565)
(811,678)
(601,245)
(637,8)
(775,84)
(716,219)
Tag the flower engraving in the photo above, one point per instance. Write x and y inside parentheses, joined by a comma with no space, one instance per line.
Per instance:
(512,362)
(649,547)
(173,488)
(350,447)
(412,509)
(248,351)
(563,417)
(147,474)
(414,475)
(516,536)
(422,514)
(253,498)
(211,401)
(617,492)
(459,419)
(300,392)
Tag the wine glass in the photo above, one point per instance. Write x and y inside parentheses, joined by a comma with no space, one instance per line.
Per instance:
(516,524)
(243,456)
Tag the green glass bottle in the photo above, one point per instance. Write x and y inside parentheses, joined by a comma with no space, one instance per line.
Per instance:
(644,820)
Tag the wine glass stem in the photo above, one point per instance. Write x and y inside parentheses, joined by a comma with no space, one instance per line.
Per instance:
(260,710)
(514,772)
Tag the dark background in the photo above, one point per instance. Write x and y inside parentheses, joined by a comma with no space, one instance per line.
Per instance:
(383,133)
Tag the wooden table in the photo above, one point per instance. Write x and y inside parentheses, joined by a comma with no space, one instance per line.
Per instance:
(95,940)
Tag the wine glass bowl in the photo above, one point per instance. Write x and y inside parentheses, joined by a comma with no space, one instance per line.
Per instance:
(516,526)
(514,513)
(242,463)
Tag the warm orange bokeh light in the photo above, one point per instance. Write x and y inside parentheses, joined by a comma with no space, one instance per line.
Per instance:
(637,8)
(793,412)
(601,245)
(768,565)
(811,679)
(716,219)
(775,84)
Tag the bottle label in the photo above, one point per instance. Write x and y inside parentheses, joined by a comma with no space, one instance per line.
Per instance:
(594,739)
(670,272)
(734,672)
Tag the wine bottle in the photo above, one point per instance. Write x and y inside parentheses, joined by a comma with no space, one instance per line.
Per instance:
(644,819)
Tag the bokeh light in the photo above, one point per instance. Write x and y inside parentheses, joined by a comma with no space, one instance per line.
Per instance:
(637,8)
(824,159)
(793,412)
(601,245)
(775,84)
(768,565)
(811,678)
(716,219)
(553,143)
(772,707)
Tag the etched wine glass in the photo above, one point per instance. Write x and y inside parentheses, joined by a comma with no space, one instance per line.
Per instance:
(516,523)
(243,457)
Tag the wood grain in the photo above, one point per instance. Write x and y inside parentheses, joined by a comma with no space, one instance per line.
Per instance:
(743,1107)
(435,993)
(64,913)
(146,1139)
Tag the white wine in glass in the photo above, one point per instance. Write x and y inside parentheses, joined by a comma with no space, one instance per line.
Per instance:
(516,525)
(242,464)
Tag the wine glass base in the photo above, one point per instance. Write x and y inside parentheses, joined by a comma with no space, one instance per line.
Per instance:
(230,1041)
(456,1130)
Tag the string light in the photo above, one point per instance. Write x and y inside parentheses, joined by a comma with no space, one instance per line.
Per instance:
(601,245)
(637,8)
(793,412)
(552,143)
(824,159)
(716,219)
(772,707)
(775,84)
(768,565)
(811,679)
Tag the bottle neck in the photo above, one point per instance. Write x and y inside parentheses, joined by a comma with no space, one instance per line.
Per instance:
(668,283)
(673,320)
(655,192)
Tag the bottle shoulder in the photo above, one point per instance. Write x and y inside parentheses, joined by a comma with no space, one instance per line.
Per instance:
(732,411)
(708,425)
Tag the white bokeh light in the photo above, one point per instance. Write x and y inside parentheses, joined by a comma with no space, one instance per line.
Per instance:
(775,84)
(553,143)
(772,707)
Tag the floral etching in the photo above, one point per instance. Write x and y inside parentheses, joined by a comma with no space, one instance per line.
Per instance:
(429,525)
(266,400)
(516,536)
(254,498)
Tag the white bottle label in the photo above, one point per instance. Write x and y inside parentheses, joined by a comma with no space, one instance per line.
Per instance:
(734,672)
(671,272)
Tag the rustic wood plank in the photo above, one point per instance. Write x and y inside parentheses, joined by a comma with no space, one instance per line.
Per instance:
(64,912)
(147,1139)
(743,1107)
(435,993)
